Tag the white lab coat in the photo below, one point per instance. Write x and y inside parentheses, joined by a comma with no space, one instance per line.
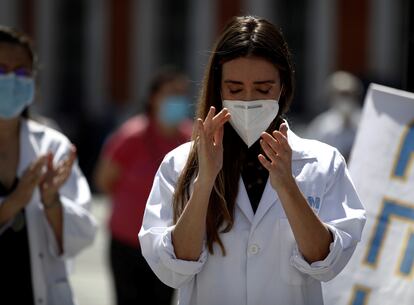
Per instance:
(263,265)
(49,269)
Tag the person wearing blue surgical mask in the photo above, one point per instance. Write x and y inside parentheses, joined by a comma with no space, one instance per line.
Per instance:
(16,91)
(16,81)
(44,197)
(168,104)
(125,172)
(173,110)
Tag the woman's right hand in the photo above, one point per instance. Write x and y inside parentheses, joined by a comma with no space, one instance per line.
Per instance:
(210,144)
(190,228)
(29,181)
(21,196)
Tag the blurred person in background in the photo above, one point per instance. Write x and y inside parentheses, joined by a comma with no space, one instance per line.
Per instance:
(125,171)
(44,197)
(338,125)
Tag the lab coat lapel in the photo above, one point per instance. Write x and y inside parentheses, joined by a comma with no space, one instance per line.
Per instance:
(243,201)
(269,197)
(29,152)
(299,148)
(29,149)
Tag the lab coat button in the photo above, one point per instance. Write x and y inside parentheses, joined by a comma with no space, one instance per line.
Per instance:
(40,255)
(40,300)
(254,249)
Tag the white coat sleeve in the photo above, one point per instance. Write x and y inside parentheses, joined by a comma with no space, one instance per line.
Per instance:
(79,226)
(155,234)
(344,215)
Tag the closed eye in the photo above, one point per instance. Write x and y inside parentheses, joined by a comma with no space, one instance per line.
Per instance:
(235,91)
(263,91)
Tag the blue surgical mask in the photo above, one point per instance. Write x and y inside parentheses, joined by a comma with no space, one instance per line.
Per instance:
(16,93)
(174,109)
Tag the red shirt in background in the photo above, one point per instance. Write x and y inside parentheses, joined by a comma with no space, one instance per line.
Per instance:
(137,148)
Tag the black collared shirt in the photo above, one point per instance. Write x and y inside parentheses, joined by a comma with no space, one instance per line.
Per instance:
(254,175)
(15,275)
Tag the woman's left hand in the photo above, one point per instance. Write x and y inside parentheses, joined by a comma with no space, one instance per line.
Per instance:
(55,177)
(312,236)
(279,157)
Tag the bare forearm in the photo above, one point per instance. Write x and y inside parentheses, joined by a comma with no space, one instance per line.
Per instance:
(190,229)
(54,215)
(104,185)
(312,236)
(106,175)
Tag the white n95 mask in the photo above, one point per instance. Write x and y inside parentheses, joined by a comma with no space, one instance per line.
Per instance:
(250,118)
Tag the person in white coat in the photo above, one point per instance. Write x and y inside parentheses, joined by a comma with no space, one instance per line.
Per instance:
(44,197)
(248,213)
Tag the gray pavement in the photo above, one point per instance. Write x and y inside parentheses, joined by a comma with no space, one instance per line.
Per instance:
(91,279)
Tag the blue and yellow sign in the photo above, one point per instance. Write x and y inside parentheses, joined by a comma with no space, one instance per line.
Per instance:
(381,272)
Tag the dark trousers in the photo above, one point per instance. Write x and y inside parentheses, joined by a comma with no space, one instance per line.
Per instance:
(135,283)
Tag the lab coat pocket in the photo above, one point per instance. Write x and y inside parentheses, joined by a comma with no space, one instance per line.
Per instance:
(60,293)
(289,273)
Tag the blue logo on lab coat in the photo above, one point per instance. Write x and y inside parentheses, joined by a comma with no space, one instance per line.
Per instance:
(315,203)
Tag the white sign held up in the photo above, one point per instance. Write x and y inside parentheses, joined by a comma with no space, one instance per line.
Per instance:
(381,272)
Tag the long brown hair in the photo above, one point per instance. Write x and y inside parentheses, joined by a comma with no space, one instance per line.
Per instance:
(242,37)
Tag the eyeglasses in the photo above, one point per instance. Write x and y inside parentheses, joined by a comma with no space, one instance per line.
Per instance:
(25,72)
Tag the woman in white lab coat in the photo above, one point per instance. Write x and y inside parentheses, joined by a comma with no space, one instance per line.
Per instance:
(44,197)
(248,212)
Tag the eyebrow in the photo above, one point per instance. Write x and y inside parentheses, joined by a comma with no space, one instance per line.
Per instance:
(229,81)
(259,82)
(269,81)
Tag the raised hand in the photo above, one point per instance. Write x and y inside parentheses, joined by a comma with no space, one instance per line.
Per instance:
(279,157)
(190,228)
(28,182)
(23,193)
(210,143)
(55,177)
